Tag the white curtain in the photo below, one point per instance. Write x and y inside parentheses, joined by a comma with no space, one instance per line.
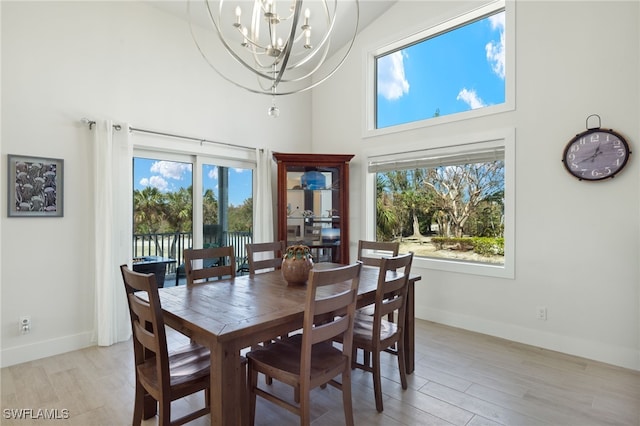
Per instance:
(263,205)
(113,153)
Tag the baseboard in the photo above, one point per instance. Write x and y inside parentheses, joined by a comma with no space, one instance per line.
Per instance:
(615,355)
(25,353)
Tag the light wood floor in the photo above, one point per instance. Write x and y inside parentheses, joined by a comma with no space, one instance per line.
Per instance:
(461,378)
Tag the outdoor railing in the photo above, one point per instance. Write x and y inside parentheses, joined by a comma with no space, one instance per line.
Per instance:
(172,245)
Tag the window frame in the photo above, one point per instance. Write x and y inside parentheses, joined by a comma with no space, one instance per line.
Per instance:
(369,119)
(149,146)
(450,146)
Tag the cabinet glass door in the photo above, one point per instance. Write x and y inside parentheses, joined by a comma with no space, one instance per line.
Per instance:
(313,216)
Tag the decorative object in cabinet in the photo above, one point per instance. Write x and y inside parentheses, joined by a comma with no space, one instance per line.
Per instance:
(313,203)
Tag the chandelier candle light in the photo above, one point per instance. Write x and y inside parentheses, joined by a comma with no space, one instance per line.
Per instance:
(286,45)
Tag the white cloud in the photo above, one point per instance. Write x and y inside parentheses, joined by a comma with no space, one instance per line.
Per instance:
(156,182)
(170,169)
(391,80)
(213,173)
(471,98)
(495,50)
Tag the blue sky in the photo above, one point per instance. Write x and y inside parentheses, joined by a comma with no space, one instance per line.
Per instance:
(452,72)
(170,176)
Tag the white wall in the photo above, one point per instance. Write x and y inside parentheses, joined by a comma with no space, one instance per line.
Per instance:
(124,61)
(577,243)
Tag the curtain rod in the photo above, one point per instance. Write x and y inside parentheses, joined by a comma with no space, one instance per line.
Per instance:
(117,127)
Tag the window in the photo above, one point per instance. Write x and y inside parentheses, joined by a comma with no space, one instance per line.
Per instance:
(162,207)
(452,71)
(168,216)
(227,215)
(451,205)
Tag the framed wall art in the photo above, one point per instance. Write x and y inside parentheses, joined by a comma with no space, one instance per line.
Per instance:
(35,186)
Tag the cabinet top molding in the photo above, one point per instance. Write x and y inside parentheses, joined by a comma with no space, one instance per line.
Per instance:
(319,158)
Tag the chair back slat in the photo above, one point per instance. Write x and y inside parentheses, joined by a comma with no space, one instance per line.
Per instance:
(370,252)
(324,332)
(213,262)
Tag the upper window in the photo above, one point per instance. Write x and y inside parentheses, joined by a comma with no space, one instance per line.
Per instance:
(453,68)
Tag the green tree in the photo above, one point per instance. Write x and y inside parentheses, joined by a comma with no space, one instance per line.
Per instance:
(148,210)
(386,219)
(209,207)
(411,198)
(241,217)
(460,189)
(178,210)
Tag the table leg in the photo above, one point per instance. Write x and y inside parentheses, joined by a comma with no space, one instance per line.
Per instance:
(227,390)
(410,329)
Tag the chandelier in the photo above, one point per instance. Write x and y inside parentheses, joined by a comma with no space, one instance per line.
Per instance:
(280,47)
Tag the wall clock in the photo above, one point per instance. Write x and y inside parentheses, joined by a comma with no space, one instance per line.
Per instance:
(596,154)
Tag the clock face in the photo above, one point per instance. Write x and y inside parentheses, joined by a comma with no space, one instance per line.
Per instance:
(596,154)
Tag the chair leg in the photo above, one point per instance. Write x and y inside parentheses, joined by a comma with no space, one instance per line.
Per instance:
(377,381)
(354,357)
(402,364)
(165,413)
(138,406)
(346,397)
(149,405)
(253,383)
(305,411)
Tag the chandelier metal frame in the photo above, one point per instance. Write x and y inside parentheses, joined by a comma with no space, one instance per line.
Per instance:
(281,67)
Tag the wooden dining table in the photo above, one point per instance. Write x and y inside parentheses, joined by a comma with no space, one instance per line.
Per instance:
(233,314)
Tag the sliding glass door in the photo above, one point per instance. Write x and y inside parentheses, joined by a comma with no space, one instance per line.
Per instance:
(227,207)
(183,201)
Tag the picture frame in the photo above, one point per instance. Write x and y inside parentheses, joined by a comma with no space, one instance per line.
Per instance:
(35,186)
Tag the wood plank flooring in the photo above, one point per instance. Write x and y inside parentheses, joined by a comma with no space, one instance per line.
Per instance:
(461,378)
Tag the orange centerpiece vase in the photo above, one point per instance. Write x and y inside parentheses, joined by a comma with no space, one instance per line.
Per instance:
(296,264)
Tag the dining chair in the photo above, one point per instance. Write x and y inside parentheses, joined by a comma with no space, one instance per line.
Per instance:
(308,360)
(374,334)
(213,262)
(264,256)
(162,376)
(382,248)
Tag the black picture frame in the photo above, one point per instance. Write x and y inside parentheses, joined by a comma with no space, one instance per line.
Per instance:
(35,186)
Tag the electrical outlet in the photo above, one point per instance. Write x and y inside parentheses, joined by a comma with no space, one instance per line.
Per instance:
(24,324)
(541,313)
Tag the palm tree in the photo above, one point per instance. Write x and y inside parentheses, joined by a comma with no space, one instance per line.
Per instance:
(410,196)
(386,218)
(179,210)
(148,212)
(209,207)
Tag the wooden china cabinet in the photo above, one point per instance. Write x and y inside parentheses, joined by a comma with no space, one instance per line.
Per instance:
(313,203)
